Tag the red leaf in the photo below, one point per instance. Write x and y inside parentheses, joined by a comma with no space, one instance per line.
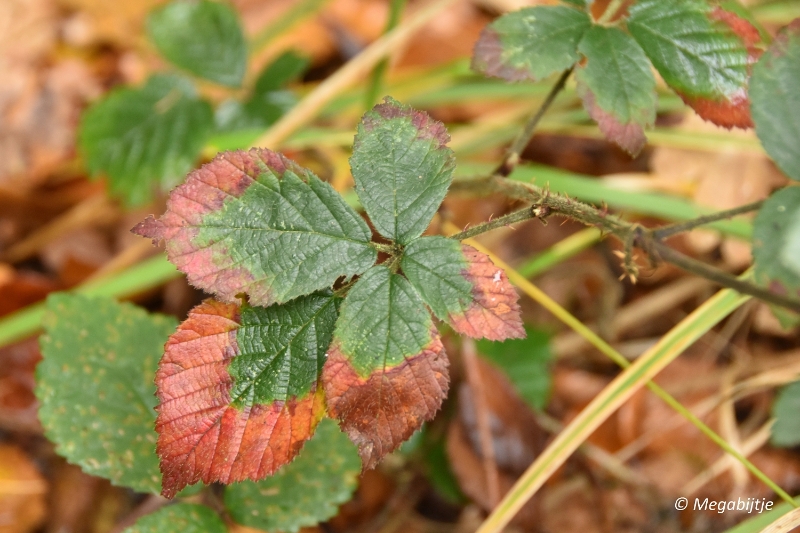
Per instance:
(494,313)
(381,411)
(629,136)
(202,437)
(734,110)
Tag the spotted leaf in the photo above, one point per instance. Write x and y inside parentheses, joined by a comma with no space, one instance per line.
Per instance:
(617,86)
(386,371)
(702,52)
(531,44)
(463,287)
(95,386)
(238,389)
(402,168)
(258,223)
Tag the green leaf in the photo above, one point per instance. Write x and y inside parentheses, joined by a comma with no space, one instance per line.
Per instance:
(531,44)
(145,139)
(776,102)
(203,37)
(700,52)
(95,385)
(183,517)
(402,168)
(617,86)
(303,493)
(238,389)
(786,430)
(463,287)
(258,223)
(386,371)
(526,362)
(268,101)
(776,242)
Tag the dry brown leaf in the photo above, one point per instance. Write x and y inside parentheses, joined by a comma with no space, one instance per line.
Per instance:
(22,492)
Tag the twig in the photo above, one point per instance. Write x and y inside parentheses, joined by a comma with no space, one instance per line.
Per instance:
(511,218)
(720,277)
(674,229)
(512,156)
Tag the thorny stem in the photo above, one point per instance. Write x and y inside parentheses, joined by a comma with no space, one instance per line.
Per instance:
(512,156)
(630,234)
(674,229)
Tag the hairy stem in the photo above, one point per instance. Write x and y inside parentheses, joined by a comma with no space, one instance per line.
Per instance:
(512,156)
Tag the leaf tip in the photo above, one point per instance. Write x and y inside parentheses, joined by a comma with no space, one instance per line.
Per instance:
(494,313)
(627,135)
(427,127)
(487,58)
(380,411)
(150,228)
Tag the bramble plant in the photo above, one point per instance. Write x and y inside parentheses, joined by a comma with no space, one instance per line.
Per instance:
(321,317)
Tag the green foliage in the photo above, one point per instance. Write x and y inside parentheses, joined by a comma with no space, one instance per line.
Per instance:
(303,493)
(786,430)
(776,100)
(96,388)
(283,340)
(532,43)
(617,87)
(146,138)
(183,517)
(776,242)
(435,267)
(695,55)
(203,37)
(258,224)
(402,169)
(526,362)
(383,321)
(268,101)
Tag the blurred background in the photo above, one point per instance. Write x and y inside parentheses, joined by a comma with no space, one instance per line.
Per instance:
(78,170)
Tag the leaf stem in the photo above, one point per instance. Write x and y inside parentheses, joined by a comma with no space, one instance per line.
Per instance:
(511,218)
(674,229)
(515,151)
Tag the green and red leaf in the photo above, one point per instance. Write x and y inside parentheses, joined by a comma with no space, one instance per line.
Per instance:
(402,168)
(386,371)
(464,288)
(617,86)
(255,222)
(238,389)
(530,44)
(704,53)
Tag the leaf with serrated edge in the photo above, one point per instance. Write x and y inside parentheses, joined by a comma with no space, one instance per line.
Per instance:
(463,287)
(145,138)
(258,223)
(700,52)
(386,371)
(402,168)
(776,99)
(238,389)
(303,493)
(95,385)
(183,517)
(617,86)
(203,37)
(530,44)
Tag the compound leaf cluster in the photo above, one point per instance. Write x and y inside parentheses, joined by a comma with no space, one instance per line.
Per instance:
(703,52)
(242,386)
